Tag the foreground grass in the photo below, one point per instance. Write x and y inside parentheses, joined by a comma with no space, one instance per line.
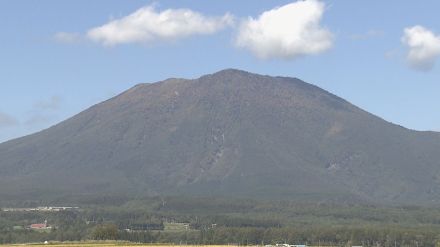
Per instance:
(107,244)
(124,244)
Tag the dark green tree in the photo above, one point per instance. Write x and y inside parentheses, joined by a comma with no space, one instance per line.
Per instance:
(105,232)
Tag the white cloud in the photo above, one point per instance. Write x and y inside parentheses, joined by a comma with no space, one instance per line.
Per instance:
(149,25)
(423,47)
(68,38)
(286,32)
(7,120)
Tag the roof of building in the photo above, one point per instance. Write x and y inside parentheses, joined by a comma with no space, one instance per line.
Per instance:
(38,226)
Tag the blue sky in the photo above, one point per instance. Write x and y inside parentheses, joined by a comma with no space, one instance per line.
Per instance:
(52,67)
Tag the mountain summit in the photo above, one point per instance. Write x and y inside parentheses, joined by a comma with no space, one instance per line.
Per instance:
(231,133)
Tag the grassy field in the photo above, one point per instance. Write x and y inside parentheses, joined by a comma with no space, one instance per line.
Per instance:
(108,244)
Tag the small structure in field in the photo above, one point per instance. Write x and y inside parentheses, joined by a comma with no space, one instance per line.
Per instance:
(288,245)
(40,226)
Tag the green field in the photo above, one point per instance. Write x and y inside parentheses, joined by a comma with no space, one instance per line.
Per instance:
(109,244)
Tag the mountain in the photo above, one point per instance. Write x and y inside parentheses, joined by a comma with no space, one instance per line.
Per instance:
(231,133)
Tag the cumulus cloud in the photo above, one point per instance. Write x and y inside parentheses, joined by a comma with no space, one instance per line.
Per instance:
(423,47)
(7,120)
(286,32)
(149,25)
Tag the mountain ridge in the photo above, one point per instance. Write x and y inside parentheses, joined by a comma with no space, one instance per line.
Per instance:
(230,133)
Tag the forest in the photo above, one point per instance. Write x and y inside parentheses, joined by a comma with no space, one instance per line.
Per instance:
(180,220)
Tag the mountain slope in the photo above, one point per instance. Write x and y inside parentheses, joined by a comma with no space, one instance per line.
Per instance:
(229,133)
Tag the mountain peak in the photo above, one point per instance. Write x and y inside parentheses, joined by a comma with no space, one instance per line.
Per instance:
(229,74)
(231,71)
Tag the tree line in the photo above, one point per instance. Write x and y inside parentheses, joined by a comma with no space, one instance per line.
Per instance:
(231,221)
